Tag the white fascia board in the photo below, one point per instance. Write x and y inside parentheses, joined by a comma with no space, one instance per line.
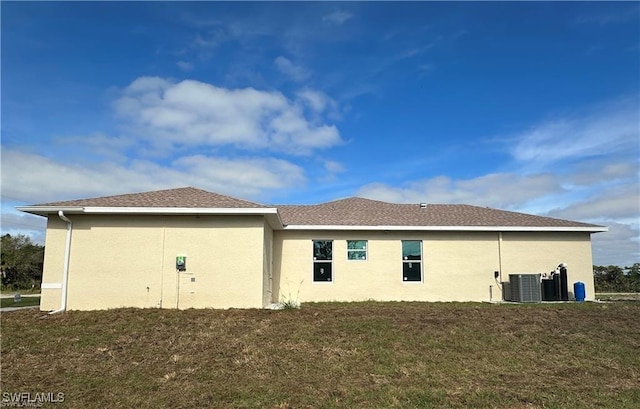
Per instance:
(448,228)
(45,210)
(270,213)
(180,210)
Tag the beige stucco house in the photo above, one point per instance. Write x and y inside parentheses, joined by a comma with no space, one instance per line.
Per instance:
(189,248)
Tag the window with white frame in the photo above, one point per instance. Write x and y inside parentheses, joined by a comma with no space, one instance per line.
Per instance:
(356,250)
(322,260)
(411,260)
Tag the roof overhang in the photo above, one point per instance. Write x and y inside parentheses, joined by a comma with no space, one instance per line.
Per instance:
(273,218)
(46,210)
(270,213)
(588,229)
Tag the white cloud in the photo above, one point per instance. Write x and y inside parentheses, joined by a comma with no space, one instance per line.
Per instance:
(618,203)
(329,171)
(319,104)
(316,100)
(500,190)
(211,40)
(591,172)
(333,167)
(14,222)
(193,113)
(296,72)
(58,180)
(100,145)
(185,66)
(250,176)
(337,17)
(619,246)
(614,129)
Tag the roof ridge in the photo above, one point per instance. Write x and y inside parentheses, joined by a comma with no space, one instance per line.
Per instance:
(186,196)
(344,199)
(131,194)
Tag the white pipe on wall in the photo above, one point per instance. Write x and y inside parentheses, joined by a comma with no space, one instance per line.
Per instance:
(500,261)
(500,253)
(65,268)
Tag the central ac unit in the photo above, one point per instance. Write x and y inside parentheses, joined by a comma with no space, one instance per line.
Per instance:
(525,287)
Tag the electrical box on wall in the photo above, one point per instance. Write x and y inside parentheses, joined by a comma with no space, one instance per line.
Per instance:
(181,263)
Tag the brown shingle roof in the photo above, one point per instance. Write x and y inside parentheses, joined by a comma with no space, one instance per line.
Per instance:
(364,212)
(187,197)
(353,211)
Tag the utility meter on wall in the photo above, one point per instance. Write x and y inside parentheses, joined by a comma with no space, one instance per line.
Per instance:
(181,263)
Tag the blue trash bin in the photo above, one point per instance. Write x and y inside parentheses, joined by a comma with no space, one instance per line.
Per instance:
(579,291)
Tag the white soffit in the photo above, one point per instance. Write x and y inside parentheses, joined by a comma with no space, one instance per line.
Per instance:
(449,228)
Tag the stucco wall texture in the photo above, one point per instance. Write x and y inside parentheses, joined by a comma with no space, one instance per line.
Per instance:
(130,261)
(456,266)
(240,262)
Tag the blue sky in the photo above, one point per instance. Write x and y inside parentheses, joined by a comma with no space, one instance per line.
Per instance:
(524,106)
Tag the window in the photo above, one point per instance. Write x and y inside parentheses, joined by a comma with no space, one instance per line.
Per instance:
(356,249)
(322,257)
(411,260)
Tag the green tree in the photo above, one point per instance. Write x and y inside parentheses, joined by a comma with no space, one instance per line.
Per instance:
(617,279)
(21,262)
(633,276)
(608,278)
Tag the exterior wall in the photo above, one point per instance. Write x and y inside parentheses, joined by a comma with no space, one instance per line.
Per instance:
(239,261)
(542,252)
(54,245)
(224,261)
(457,266)
(267,273)
(129,261)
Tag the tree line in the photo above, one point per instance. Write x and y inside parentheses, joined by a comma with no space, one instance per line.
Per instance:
(614,279)
(21,263)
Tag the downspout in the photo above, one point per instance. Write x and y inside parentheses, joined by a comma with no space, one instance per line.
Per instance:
(500,253)
(65,268)
(499,275)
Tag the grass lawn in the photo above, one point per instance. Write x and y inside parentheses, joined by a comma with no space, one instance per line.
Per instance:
(331,355)
(24,302)
(618,296)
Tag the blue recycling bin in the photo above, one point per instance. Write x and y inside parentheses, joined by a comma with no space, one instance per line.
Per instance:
(579,291)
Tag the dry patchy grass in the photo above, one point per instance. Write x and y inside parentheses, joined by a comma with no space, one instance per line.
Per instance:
(356,355)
